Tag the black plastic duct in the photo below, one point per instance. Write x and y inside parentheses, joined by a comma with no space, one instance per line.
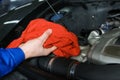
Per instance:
(74,70)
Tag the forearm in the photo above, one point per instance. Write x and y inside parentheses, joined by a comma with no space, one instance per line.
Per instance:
(9,59)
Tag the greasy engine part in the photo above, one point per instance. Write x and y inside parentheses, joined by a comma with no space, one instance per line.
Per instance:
(74,70)
(107,49)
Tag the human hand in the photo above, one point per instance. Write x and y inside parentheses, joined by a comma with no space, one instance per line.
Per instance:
(34,47)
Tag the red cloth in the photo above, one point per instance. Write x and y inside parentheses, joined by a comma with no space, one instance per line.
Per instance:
(66,42)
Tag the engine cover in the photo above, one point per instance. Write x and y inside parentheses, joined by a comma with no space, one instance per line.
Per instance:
(107,49)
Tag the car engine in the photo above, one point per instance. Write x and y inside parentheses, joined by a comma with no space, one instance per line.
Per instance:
(97,26)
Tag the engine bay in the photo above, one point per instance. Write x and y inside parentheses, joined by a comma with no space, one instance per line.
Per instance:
(96,23)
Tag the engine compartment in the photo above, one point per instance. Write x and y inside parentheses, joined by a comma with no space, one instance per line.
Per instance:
(96,24)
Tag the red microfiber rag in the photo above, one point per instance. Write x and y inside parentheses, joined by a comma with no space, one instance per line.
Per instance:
(65,41)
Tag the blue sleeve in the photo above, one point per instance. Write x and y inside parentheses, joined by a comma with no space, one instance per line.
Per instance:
(9,59)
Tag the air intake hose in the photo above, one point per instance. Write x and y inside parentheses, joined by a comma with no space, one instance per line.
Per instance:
(75,70)
(59,65)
